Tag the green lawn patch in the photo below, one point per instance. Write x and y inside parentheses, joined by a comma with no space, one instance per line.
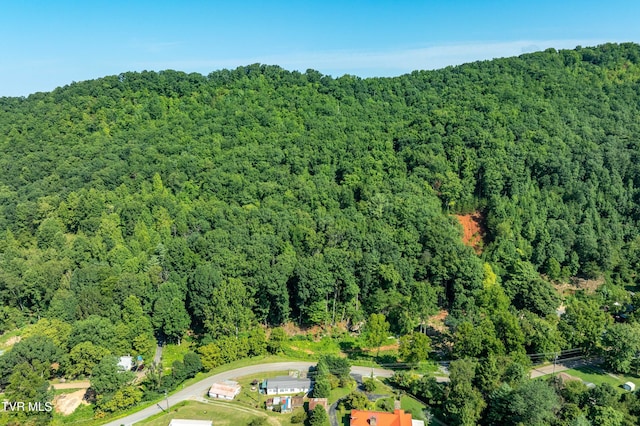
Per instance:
(307,348)
(337,394)
(172,352)
(83,415)
(220,414)
(413,406)
(380,388)
(598,376)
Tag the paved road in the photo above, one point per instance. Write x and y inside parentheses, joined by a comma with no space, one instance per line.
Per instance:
(199,389)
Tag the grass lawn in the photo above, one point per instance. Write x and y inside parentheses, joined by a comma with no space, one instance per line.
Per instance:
(598,376)
(380,388)
(172,352)
(82,415)
(413,406)
(427,367)
(227,414)
(338,393)
(343,417)
(306,348)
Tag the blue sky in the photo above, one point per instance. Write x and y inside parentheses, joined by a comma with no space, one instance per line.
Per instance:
(45,44)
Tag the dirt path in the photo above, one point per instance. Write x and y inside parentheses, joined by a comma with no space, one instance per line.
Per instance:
(72,385)
(158,355)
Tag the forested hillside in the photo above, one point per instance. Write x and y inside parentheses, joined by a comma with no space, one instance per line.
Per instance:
(155,203)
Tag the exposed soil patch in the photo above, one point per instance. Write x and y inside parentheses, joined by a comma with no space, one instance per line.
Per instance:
(291,329)
(435,323)
(575,284)
(307,351)
(12,341)
(66,403)
(473,230)
(393,347)
(84,384)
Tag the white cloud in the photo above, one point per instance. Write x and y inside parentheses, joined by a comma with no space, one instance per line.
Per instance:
(384,62)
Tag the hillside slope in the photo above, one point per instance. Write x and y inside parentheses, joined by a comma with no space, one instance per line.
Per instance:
(290,196)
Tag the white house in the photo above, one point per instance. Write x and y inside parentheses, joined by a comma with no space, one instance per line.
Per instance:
(283,385)
(125,363)
(225,390)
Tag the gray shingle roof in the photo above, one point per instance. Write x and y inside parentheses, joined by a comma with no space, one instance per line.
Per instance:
(286,382)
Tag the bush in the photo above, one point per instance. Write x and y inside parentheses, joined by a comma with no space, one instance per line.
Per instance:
(334,381)
(355,401)
(385,404)
(369,385)
(322,388)
(258,421)
(299,416)
(346,382)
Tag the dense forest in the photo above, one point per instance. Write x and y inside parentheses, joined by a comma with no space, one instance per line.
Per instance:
(148,205)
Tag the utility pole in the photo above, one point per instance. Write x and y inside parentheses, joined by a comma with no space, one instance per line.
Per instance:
(555,359)
(166,398)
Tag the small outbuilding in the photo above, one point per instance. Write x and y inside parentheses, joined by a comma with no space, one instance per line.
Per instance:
(227,389)
(125,363)
(630,386)
(313,402)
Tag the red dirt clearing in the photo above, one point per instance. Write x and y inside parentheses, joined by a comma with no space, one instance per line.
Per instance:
(473,230)
(437,321)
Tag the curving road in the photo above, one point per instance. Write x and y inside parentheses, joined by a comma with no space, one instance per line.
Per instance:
(201,388)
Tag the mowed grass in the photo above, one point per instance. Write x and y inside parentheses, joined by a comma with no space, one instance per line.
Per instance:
(220,414)
(172,352)
(81,416)
(380,388)
(598,376)
(338,393)
(303,347)
(413,406)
